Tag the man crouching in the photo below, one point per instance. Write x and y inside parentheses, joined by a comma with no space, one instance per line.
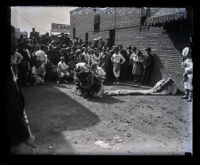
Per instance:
(62,70)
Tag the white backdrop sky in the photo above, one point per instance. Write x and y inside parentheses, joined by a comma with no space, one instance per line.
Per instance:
(27,17)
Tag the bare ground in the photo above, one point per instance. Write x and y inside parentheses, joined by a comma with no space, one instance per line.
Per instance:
(65,123)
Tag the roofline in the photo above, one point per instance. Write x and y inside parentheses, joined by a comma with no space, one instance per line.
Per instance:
(77,9)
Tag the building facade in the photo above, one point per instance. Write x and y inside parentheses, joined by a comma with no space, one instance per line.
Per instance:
(123,26)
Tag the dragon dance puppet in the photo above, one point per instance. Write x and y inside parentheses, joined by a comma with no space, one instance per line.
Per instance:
(89,84)
(162,87)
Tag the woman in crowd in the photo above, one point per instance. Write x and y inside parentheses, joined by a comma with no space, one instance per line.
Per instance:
(129,52)
(95,56)
(137,69)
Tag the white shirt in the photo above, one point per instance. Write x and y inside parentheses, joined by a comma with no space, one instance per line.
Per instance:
(100,71)
(41,56)
(87,57)
(116,58)
(62,66)
(188,64)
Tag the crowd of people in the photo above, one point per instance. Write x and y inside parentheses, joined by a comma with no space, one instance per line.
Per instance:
(30,59)
(35,57)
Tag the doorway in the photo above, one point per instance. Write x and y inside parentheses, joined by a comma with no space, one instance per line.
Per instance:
(111,37)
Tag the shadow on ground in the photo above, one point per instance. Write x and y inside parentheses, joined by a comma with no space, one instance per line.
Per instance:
(106,100)
(51,112)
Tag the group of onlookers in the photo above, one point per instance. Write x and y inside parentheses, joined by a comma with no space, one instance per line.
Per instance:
(32,60)
(117,63)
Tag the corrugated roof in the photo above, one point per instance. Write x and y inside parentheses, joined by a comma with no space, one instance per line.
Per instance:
(163,15)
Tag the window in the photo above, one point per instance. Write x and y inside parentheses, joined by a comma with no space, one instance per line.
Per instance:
(74,33)
(96,23)
(86,37)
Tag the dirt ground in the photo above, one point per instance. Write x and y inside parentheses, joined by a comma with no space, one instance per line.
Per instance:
(65,123)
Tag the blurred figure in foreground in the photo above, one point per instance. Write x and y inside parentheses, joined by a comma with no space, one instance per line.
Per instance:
(18,129)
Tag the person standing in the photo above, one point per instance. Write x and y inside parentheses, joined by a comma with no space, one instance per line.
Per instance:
(137,69)
(124,67)
(147,66)
(188,73)
(96,56)
(129,52)
(103,59)
(117,60)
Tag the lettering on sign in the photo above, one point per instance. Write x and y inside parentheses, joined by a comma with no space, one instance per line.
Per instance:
(60,28)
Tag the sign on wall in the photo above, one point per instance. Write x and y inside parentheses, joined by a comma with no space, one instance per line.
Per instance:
(60,28)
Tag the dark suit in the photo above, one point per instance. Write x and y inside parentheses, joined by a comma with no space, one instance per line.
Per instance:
(17,128)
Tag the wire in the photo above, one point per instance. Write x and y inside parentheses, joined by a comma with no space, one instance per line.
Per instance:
(27,21)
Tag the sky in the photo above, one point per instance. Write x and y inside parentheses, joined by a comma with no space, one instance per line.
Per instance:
(41,18)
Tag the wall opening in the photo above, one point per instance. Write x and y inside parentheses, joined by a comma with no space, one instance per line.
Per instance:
(86,37)
(111,37)
(74,33)
(96,23)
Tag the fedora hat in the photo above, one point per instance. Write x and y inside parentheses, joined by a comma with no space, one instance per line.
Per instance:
(148,49)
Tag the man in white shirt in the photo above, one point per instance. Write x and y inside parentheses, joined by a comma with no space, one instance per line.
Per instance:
(117,60)
(188,73)
(99,71)
(101,74)
(62,70)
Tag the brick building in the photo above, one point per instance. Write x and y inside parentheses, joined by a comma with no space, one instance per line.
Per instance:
(166,31)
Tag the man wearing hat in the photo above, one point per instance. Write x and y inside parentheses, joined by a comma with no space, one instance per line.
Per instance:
(147,66)
(188,73)
(62,70)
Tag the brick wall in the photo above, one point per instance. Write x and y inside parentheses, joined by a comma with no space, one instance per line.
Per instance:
(84,22)
(166,47)
(167,59)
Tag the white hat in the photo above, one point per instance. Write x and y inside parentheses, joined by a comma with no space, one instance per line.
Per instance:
(185,51)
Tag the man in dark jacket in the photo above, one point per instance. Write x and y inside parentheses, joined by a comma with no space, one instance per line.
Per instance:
(124,67)
(148,66)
